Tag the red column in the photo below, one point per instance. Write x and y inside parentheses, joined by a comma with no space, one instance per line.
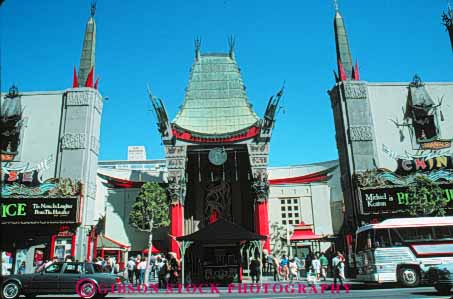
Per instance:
(52,246)
(88,248)
(176,226)
(262,222)
(73,243)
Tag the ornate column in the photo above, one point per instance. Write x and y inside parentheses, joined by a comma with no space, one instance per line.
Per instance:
(176,165)
(258,154)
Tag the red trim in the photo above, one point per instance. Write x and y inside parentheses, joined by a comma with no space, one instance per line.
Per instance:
(262,222)
(89,81)
(118,256)
(75,82)
(73,244)
(308,178)
(52,245)
(88,248)
(176,226)
(187,136)
(121,183)
(102,253)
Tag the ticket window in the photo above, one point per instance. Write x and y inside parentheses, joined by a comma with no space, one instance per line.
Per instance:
(63,247)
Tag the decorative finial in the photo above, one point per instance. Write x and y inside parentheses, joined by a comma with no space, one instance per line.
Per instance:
(197,48)
(93,8)
(231,43)
(335,5)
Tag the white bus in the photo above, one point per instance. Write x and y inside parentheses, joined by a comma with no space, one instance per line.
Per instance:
(401,249)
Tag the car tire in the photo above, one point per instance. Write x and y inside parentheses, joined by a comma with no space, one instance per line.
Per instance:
(442,289)
(88,290)
(10,290)
(408,277)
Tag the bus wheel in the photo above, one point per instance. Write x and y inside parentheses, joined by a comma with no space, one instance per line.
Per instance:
(408,277)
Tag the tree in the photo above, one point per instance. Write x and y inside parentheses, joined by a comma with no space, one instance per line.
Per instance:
(426,198)
(150,211)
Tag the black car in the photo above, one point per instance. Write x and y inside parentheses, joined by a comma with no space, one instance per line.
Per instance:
(85,279)
(441,277)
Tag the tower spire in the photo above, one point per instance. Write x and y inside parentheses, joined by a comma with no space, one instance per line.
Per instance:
(342,44)
(87,59)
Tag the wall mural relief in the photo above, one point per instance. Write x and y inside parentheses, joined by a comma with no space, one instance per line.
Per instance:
(217,201)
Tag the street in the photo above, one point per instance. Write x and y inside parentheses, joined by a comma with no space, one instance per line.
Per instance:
(358,291)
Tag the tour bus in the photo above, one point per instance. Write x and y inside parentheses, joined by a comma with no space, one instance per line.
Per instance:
(402,249)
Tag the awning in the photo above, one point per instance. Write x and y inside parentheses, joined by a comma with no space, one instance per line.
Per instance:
(154,250)
(304,232)
(106,243)
(222,231)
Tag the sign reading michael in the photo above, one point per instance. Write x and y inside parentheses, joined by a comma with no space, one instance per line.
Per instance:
(394,199)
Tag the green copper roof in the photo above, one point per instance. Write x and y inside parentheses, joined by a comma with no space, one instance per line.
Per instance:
(215,102)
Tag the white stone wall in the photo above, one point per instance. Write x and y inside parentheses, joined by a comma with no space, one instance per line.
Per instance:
(387,101)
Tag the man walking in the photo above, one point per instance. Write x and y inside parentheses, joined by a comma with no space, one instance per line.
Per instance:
(324,263)
(130,269)
(338,268)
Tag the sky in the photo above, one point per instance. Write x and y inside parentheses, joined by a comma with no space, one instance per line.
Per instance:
(152,42)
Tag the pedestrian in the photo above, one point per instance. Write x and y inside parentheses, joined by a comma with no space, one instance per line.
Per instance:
(269,263)
(276,267)
(130,269)
(292,265)
(142,269)
(137,271)
(174,269)
(255,269)
(308,259)
(324,264)
(284,266)
(300,266)
(338,269)
(163,273)
(316,264)
(152,263)
(21,269)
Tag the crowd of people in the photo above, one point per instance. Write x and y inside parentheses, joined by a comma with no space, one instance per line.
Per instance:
(166,269)
(314,267)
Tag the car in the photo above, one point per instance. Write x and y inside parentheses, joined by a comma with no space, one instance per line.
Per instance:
(82,278)
(441,277)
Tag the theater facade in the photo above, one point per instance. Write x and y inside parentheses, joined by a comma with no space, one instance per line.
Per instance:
(389,136)
(49,155)
(217,152)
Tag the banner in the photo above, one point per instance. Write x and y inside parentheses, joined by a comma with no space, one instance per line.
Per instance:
(39,210)
(396,199)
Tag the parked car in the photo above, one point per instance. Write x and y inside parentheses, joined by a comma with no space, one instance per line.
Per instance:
(85,279)
(441,277)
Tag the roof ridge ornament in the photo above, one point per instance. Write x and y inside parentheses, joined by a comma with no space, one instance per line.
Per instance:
(197,48)
(231,44)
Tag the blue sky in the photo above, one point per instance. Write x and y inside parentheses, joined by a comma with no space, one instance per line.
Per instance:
(151,42)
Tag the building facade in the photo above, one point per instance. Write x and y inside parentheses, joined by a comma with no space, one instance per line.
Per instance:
(388,135)
(49,155)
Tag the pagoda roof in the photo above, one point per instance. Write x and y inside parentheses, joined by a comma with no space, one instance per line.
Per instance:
(215,102)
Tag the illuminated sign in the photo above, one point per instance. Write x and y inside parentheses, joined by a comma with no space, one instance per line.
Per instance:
(436,145)
(388,200)
(39,210)
(424,164)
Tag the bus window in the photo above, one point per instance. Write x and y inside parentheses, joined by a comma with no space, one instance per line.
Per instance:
(364,240)
(416,233)
(443,232)
(381,238)
(395,238)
